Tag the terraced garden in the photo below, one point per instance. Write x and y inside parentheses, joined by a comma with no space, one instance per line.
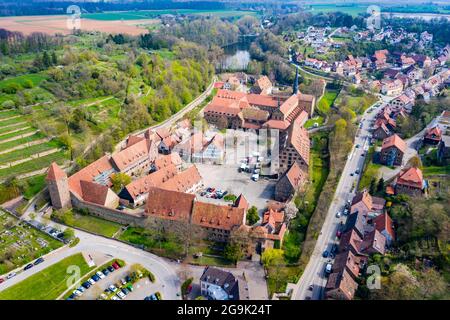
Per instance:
(24,150)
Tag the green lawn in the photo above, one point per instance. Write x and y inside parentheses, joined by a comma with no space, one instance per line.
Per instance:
(370,172)
(325,103)
(47,284)
(34,185)
(89,223)
(35,79)
(310,123)
(9,113)
(436,170)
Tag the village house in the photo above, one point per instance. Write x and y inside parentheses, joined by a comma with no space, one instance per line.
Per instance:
(402,102)
(216,284)
(411,182)
(262,86)
(366,204)
(381,132)
(290,182)
(133,160)
(433,136)
(340,286)
(392,87)
(384,224)
(392,151)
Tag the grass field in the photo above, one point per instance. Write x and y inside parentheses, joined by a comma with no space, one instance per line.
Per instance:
(89,223)
(34,78)
(21,244)
(151,14)
(27,152)
(436,170)
(47,284)
(325,103)
(20,141)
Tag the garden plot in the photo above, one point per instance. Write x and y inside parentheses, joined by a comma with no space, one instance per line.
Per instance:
(20,243)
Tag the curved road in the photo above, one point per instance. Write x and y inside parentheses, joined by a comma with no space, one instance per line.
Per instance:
(89,243)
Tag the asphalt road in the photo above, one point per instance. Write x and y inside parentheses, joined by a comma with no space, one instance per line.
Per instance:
(314,271)
(162,270)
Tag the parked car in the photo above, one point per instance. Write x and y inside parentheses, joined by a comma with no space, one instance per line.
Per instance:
(112,288)
(11,275)
(103,296)
(2,280)
(91,281)
(121,295)
(357,171)
(95,278)
(328,268)
(81,289)
(86,284)
(105,272)
(38,261)
(255,177)
(125,291)
(334,249)
(123,281)
(338,233)
(325,254)
(311,287)
(110,269)
(114,298)
(115,266)
(100,275)
(128,279)
(130,287)
(78,293)
(338,214)
(28,266)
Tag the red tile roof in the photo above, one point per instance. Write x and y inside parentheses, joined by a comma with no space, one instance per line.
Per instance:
(166,160)
(55,173)
(343,282)
(163,132)
(132,140)
(299,139)
(94,192)
(241,202)
(296,175)
(350,239)
(170,205)
(130,155)
(264,83)
(394,141)
(347,260)
(434,133)
(288,106)
(384,222)
(411,177)
(262,100)
(155,179)
(89,173)
(273,217)
(211,215)
(183,181)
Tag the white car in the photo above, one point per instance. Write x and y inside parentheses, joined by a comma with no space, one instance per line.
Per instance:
(338,215)
(78,293)
(255,177)
(114,298)
(100,275)
(121,295)
(11,275)
(103,296)
(112,288)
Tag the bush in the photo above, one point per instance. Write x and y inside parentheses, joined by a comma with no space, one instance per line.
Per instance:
(11,88)
(8,104)
(158,295)
(151,276)
(185,286)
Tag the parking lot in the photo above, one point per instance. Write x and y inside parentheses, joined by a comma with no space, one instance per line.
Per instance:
(228,178)
(121,278)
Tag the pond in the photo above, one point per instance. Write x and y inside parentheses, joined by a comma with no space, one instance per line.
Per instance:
(237,55)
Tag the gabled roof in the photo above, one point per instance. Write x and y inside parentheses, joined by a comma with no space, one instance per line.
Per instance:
(100,169)
(394,141)
(55,173)
(130,155)
(343,282)
(262,100)
(132,140)
(356,221)
(163,132)
(384,222)
(241,202)
(94,192)
(295,175)
(299,139)
(183,181)
(374,241)
(288,106)
(434,133)
(155,179)
(255,114)
(166,160)
(347,260)
(350,239)
(216,216)
(170,205)
(264,83)
(412,177)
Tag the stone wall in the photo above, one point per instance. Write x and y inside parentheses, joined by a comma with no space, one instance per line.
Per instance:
(108,213)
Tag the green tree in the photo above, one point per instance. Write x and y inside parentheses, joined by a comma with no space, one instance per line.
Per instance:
(233,252)
(372,187)
(69,233)
(119,181)
(252,216)
(46,59)
(380,185)
(272,257)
